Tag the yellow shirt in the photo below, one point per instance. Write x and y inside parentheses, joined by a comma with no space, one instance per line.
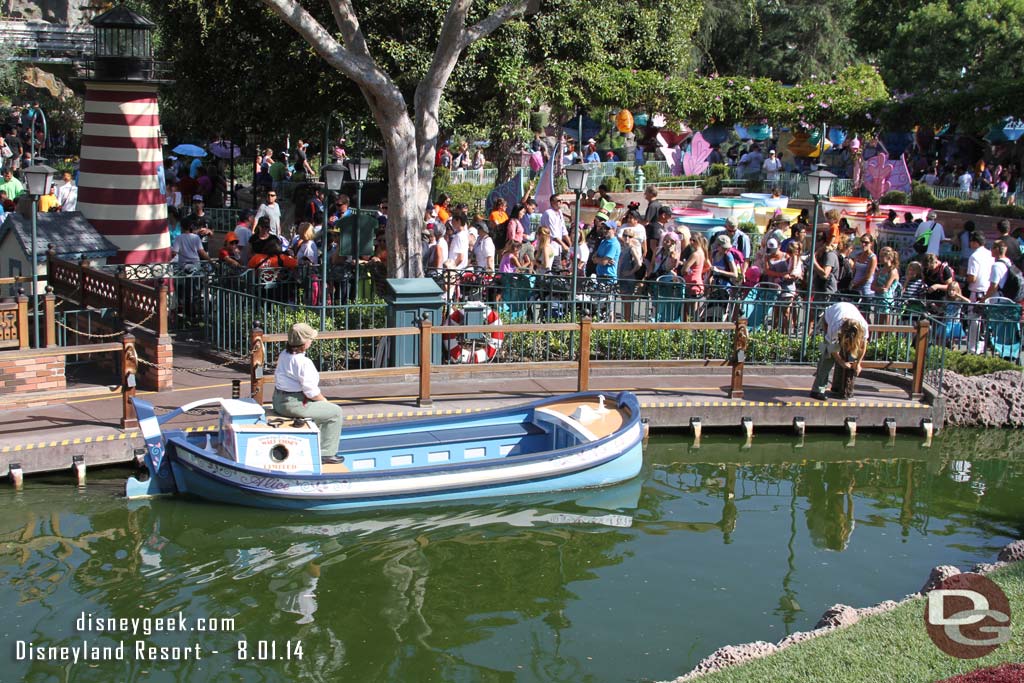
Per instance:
(47,202)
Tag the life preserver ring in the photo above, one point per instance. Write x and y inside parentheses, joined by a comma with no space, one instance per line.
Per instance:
(457,353)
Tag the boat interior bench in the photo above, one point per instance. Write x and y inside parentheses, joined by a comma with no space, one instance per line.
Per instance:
(512,430)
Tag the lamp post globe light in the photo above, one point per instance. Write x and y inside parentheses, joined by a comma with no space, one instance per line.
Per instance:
(819,185)
(38,179)
(358,170)
(334,174)
(576,179)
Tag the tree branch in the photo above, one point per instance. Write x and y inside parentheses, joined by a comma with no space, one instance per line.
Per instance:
(360,68)
(490,23)
(348,23)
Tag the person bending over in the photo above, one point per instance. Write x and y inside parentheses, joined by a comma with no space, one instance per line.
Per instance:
(846,342)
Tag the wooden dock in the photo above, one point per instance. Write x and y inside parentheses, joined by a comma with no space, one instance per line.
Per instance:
(84,431)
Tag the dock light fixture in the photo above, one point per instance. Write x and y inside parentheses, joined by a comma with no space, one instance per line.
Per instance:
(576,179)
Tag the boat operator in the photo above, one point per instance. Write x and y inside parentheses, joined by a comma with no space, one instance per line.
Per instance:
(297,391)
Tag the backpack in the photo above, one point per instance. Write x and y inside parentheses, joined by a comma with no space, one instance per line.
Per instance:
(922,242)
(740,260)
(1013,288)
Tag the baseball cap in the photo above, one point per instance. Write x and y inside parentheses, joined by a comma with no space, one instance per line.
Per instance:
(198,198)
(611,224)
(730,222)
(723,241)
(772,244)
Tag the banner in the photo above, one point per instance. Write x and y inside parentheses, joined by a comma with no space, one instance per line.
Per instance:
(546,183)
(511,191)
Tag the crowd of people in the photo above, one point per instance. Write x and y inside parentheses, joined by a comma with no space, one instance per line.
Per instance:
(628,249)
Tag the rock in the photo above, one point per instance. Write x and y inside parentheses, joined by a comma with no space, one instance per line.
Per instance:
(880,608)
(801,636)
(838,616)
(993,400)
(1013,552)
(728,656)
(987,567)
(938,575)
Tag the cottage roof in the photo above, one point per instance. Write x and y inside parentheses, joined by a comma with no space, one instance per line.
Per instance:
(69,232)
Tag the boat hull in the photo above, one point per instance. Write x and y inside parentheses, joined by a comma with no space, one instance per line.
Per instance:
(594,461)
(193,479)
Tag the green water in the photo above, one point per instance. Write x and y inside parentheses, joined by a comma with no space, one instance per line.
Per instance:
(711,545)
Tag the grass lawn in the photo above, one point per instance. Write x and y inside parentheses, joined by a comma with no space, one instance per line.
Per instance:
(889,647)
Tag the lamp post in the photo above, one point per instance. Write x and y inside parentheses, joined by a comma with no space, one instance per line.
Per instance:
(37,114)
(819,184)
(38,179)
(358,169)
(333,175)
(576,178)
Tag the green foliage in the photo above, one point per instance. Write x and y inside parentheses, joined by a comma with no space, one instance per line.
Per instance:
(988,203)
(894,197)
(10,73)
(970,364)
(938,60)
(712,185)
(786,41)
(472,195)
(722,170)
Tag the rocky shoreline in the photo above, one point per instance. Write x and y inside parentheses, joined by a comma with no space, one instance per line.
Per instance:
(993,400)
(839,616)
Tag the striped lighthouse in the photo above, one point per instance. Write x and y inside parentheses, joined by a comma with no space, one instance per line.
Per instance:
(119,184)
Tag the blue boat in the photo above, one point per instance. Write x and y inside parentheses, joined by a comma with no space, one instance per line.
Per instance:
(573,441)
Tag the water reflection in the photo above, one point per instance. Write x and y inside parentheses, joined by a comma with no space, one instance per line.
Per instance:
(711,545)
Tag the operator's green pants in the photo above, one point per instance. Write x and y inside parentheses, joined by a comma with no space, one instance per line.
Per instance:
(825,365)
(325,414)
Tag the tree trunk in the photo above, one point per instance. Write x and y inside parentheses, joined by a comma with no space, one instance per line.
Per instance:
(406,201)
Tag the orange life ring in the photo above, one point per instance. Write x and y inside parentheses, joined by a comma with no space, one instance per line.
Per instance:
(457,353)
(278,261)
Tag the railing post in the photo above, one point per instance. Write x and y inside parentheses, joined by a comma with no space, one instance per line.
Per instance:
(161,308)
(257,357)
(424,400)
(920,358)
(82,270)
(129,373)
(583,374)
(50,313)
(23,320)
(739,356)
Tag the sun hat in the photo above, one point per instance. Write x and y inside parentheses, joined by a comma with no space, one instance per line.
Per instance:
(300,333)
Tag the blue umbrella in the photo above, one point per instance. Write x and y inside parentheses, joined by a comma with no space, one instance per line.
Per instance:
(190,150)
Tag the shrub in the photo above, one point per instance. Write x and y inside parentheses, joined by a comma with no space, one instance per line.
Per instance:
(652,173)
(712,185)
(894,197)
(721,170)
(969,364)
